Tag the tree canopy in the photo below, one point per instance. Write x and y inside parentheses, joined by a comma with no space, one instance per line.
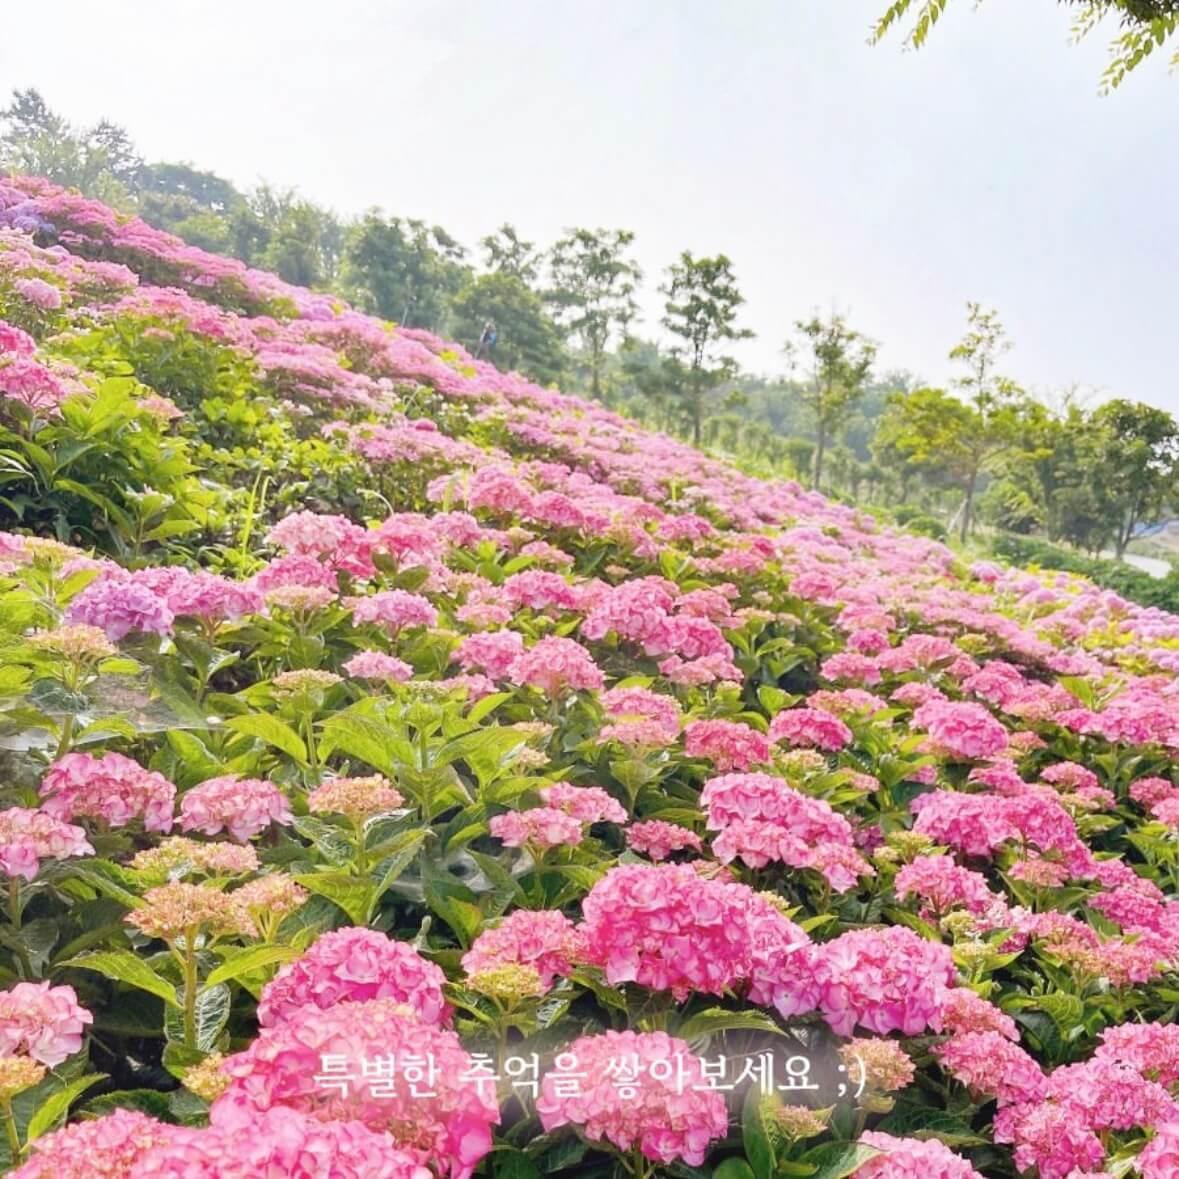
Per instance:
(1144,26)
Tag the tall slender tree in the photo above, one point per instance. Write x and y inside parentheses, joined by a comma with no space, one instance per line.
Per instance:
(841,363)
(591,291)
(701,312)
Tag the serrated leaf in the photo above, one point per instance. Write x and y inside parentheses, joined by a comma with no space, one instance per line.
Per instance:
(700,1028)
(57,1104)
(837,1160)
(273,731)
(755,1138)
(248,960)
(365,739)
(352,893)
(149,1101)
(402,850)
(510,1163)
(212,1014)
(918,1122)
(335,846)
(123,966)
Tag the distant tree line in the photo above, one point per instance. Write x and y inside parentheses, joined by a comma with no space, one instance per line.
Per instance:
(982,451)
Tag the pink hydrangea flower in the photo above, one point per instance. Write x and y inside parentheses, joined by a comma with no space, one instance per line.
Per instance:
(1160,1157)
(376,665)
(28,836)
(667,928)
(642,718)
(556,665)
(990,1065)
(661,1111)
(729,745)
(810,728)
(1054,1139)
(974,824)
(246,1144)
(941,884)
(108,1147)
(587,804)
(491,651)
(15,341)
(244,807)
(657,839)
(110,787)
(885,979)
(542,827)
(1150,1048)
(965,1010)
(354,965)
(38,292)
(543,939)
(118,606)
(394,610)
(41,1021)
(310,534)
(450,1127)
(912,1158)
(964,730)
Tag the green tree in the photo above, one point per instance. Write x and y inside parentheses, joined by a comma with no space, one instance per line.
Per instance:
(1133,462)
(1145,25)
(841,363)
(952,440)
(403,270)
(302,239)
(701,312)
(591,289)
(528,340)
(100,161)
(507,253)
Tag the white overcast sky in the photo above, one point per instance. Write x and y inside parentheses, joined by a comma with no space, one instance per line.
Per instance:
(892,185)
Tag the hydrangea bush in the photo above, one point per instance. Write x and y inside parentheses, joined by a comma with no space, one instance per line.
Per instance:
(371,719)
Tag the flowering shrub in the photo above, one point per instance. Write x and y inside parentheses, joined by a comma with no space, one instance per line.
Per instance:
(373,719)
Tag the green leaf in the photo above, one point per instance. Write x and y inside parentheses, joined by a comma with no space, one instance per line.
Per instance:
(212,1014)
(733,1169)
(509,1163)
(337,849)
(481,709)
(463,917)
(55,1106)
(700,1028)
(123,966)
(368,740)
(837,1160)
(402,849)
(915,923)
(248,960)
(178,1060)
(352,893)
(271,730)
(112,880)
(149,1101)
(920,1122)
(759,1148)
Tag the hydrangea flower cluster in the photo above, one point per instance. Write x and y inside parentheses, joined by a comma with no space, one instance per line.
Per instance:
(665,1112)
(112,788)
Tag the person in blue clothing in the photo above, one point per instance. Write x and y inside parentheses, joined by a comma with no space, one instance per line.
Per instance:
(487,339)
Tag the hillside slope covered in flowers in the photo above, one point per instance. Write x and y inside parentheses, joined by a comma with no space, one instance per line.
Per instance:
(410,771)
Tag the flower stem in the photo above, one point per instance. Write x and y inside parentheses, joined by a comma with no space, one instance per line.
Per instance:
(67,735)
(14,916)
(10,1127)
(190,989)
